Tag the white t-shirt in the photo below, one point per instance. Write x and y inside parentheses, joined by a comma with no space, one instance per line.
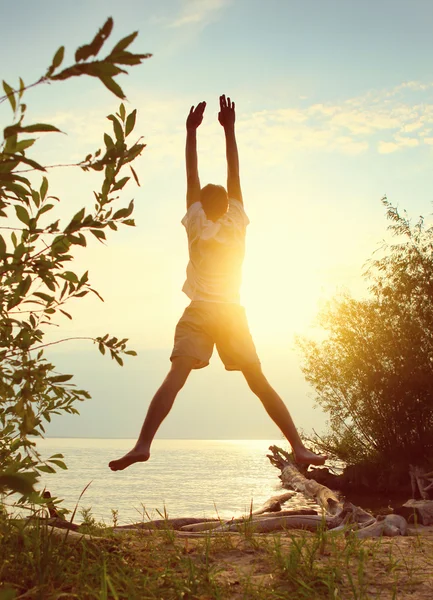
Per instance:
(216,253)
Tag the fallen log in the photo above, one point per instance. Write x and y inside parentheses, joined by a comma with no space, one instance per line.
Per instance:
(277,523)
(263,517)
(203,526)
(423,482)
(176,523)
(390,526)
(420,511)
(346,515)
(273,504)
(292,478)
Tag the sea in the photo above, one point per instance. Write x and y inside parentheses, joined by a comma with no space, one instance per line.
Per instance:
(183,478)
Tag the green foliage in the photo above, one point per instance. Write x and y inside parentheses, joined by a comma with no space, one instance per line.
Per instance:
(37,280)
(373,374)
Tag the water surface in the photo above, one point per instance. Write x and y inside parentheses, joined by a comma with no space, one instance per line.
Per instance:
(196,478)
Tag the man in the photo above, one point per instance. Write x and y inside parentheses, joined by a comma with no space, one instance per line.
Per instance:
(215,223)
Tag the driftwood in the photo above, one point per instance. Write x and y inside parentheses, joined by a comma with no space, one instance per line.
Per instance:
(419,511)
(292,478)
(390,526)
(175,524)
(346,515)
(421,482)
(282,513)
(277,523)
(54,513)
(274,504)
(202,526)
(72,537)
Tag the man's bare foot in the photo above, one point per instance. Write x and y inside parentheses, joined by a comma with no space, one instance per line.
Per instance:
(306,457)
(135,455)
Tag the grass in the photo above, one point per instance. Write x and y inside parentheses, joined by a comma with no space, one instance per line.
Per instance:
(34,564)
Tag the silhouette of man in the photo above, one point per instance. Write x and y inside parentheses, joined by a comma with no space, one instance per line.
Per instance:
(216,224)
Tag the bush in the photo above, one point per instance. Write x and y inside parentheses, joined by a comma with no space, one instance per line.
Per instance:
(373,374)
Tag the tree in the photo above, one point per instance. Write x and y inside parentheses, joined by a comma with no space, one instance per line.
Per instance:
(373,374)
(36,252)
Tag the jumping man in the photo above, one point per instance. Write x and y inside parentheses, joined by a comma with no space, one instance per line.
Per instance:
(215,224)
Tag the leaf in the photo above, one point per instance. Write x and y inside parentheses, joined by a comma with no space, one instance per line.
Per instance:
(45,469)
(100,235)
(22,214)
(24,286)
(44,188)
(118,359)
(45,209)
(11,95)
(120,184)
(135,175)
(100,298)
(108,140)
(92,49)
(30,162)
(127,58)
(37,127)
(124,43)
(58,58)
(58,463)
(2,247)
(60,245)
(131,352)
(124,212)
(43,296)
(65,313)
(113,86)
(18,482)
(24,144)
(130,122)
(118,131)
(60,378)
(69,276)
(122,111)
(101,348)
(76,219)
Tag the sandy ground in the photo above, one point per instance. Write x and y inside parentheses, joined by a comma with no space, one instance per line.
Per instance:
(397,568)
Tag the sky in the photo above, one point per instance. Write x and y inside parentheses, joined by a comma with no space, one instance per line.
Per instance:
(334,106)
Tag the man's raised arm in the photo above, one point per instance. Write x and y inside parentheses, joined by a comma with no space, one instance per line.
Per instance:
(194,119)
(226,117)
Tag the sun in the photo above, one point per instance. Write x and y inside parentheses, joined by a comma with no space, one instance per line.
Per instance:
(281,296)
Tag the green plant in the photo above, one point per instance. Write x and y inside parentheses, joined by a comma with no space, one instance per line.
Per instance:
(373,373)
(37,280)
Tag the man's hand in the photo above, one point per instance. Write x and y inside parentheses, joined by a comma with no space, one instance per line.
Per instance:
(226,115)
(195,116)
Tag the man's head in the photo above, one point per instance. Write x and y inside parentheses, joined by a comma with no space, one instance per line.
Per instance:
(214,200)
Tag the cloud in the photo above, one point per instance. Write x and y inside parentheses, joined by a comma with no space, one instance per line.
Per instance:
(387,147)
(386,121)
(196,12)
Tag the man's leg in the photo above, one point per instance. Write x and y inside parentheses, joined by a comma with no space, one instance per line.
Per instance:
(278,412)
(159,408)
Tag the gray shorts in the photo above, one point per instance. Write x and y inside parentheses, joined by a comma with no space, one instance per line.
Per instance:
(205,324)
